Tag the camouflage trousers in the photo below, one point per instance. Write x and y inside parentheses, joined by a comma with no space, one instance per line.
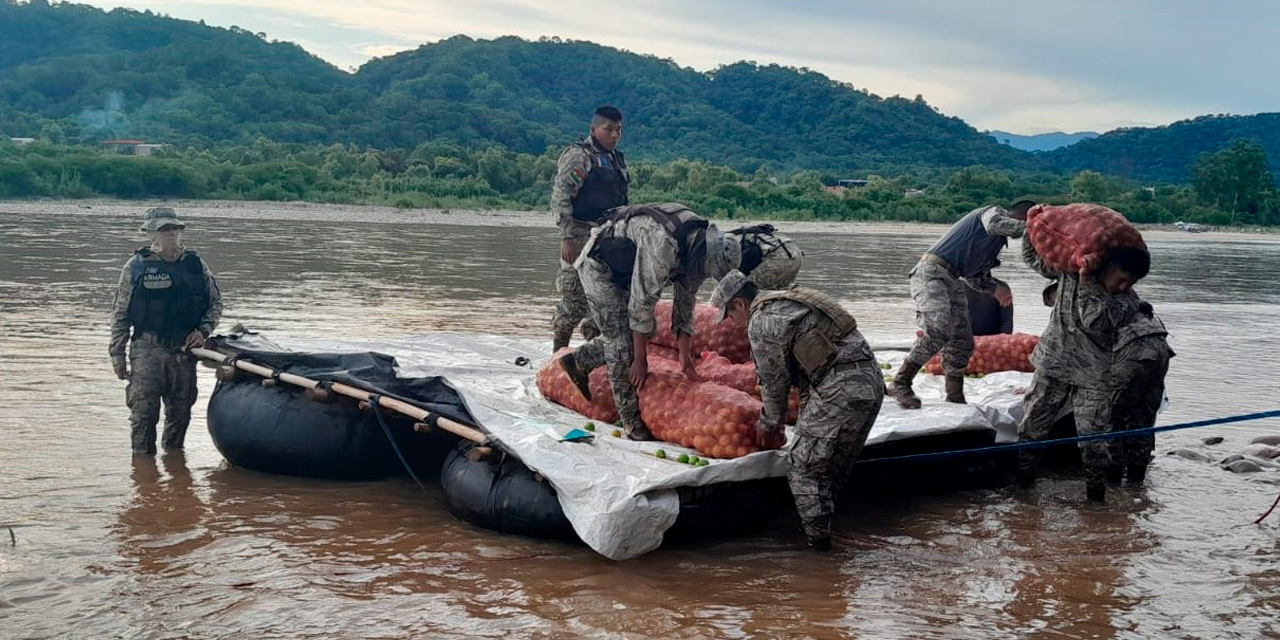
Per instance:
(159,373)
(942,311)
(572,308)
(836,415)
(778,270)
(1047,399)
(612,348)
(1136,408)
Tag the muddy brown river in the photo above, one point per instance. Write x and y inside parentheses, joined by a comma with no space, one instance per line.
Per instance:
(182,546)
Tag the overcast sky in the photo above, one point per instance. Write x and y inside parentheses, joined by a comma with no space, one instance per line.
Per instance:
(1025,66)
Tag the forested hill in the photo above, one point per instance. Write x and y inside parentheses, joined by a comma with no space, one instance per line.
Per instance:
(743,114)
(81,74)
(1167,154)
(125,73)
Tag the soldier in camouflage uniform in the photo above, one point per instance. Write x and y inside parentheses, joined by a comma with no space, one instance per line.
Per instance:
(628,261)
(804,338)
(1140,362)
(1073,361)
(964,256)
(591,178)
(769,259)
(166,301)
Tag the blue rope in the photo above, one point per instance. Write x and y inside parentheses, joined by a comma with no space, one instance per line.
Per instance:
(1036,444)
(377,411)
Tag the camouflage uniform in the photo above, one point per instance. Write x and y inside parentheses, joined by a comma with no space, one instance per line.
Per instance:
(837,409)
(1141,360)
(942,306)
(779,257)
(159,369)
(1073,370)
(574,166)
(618,311)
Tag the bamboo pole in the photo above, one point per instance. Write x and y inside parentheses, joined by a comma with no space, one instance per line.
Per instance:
(464,431)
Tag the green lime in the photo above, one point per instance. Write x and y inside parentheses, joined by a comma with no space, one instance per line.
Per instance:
(590,426)
(694,459)
(616,433)
(660,453)
(702,463)
(885,365)
(684,457)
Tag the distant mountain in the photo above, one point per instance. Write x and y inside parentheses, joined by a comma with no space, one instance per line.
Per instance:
(1041,141)
(137,74)
(1167,154)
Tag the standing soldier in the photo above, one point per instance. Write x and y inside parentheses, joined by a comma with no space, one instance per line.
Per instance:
(769,260)
(591,178)
(1073,360)
(626,264)
(1140,363)
(964,256)
(166,302)
(803,337)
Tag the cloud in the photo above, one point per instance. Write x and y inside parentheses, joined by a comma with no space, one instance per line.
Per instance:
(1006,64)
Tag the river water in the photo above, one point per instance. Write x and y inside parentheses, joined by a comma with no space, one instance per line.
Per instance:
(184,547)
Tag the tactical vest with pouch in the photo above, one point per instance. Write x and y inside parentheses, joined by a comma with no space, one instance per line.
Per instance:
(605,185)
(814,350)
(756,242)
(619,252)
(169,299)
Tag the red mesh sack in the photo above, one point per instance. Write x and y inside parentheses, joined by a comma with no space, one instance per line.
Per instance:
(714,367)
(716,420)
(1000,352)
(1064,235)
(727,338)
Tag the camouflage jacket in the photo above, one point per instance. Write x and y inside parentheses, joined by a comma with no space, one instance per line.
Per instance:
(772,330)
(571,170)
(657,262)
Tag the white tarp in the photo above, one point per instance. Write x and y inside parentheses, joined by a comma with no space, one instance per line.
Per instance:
(619,497)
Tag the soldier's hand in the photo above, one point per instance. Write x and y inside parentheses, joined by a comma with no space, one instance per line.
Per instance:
(639,372)
(1003,296)
(765,433)
(194,339)
(121,366)
(570,248)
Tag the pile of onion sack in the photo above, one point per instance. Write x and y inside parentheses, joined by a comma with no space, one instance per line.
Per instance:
(1000,352)
(727,338)
(1064,235)
(717,420)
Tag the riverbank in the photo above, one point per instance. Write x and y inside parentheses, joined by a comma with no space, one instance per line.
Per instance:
(262,210)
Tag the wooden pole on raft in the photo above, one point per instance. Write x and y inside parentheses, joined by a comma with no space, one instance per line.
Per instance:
(424,417)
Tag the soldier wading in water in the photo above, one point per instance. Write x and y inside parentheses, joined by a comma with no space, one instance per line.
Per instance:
(166,302)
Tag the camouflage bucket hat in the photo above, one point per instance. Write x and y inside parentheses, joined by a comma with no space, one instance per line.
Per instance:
(725,290)
(157,217)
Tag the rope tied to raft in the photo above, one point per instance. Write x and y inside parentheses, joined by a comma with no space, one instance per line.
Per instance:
(1110,435)
(374,398)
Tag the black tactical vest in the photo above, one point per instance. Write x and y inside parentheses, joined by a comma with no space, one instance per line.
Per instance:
(967,246)
(619,252)
(605,186)
(757,242)
(169,298)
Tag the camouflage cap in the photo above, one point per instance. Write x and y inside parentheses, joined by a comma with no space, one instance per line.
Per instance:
(725,290)
(157,217)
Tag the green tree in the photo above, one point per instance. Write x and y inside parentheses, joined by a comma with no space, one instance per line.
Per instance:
(1091,186)
(1235,179)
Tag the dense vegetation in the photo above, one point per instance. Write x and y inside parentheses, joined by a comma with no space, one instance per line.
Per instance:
(479,123)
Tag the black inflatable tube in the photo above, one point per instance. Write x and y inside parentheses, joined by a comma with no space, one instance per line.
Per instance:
(279,430)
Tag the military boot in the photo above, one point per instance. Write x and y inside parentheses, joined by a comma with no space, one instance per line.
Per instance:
(1137,473)
(820,544)
(580,378)
(955,389)
(639,433)
(901,388)
(1095,491)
